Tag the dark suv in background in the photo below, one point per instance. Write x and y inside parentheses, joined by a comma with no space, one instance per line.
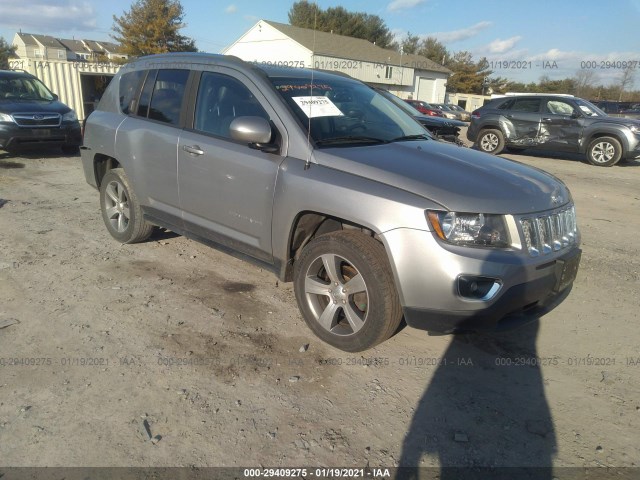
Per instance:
(554,122)
(32,116)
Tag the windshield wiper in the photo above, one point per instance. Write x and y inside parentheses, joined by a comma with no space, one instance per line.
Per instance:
(350,139)
(422,136)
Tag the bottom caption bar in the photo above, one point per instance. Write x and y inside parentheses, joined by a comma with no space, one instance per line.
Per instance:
(401,473)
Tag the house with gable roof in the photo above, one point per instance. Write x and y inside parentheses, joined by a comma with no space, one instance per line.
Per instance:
(408,76)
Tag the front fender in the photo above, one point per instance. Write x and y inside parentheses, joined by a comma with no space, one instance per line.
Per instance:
(320,189)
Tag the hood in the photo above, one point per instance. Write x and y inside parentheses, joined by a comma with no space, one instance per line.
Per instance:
(459,179)
(616,120)
(32,106)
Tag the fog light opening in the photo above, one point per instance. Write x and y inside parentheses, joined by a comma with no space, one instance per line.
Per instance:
(478,288)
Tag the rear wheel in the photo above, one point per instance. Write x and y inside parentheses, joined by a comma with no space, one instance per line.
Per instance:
(491,141)
(345,290)
(604,151)
(121,210)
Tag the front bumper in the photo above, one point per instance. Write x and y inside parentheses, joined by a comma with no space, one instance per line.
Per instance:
(634,150)
(427,272)
(13,137)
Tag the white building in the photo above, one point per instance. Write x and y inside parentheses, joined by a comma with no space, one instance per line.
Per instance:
(408,76)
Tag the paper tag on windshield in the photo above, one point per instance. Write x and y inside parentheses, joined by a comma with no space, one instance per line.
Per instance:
(317,107)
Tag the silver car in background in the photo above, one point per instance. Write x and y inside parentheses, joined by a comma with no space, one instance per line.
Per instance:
(330,185)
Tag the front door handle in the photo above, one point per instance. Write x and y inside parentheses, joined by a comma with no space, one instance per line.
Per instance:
(547,119)
(193,149)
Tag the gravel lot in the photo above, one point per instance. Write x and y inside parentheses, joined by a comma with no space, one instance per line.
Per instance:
(113,344)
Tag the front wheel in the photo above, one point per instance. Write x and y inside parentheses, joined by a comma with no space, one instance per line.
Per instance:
(604,151)
(121,210)
(345,290)
(491,141)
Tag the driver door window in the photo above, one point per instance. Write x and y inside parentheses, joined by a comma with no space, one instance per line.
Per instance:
(558,107)
(221,99)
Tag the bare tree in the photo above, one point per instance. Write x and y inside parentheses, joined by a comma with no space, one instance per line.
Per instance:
(627,78)
(585,81)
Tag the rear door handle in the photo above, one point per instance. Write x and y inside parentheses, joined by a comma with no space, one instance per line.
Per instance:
(547,119)
(193,149)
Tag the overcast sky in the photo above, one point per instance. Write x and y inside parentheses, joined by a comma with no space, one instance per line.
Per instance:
(557,37)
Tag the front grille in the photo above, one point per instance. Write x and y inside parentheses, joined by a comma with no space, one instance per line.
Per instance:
(549,232)
(35,120)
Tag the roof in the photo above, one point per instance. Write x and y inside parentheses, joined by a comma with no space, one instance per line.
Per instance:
(94,46)
(47,41)
(73,45)
(110,47)
(341,46)
(27,38)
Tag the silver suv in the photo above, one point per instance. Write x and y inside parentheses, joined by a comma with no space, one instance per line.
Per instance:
(330,185)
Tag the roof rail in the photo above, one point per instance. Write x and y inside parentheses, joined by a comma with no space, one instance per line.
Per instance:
(511,94)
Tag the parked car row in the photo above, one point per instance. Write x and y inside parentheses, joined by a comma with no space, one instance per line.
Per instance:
(619,109)
(331,185)
(553,122)
(447,110)
(441,128)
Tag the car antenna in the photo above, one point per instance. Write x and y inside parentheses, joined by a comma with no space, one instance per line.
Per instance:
(313,50)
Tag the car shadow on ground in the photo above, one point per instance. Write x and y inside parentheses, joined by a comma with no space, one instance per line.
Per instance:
(484,414)
(35,154)
(160,234)
(553,154)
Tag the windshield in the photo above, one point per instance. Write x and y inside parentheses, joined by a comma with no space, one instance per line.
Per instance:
(24,88)
(589,109)
(341,112)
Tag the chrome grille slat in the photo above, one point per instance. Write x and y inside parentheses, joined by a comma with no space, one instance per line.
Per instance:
(37,119)
(549,232)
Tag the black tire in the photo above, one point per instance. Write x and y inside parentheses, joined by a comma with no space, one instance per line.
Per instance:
(372,305)
(121,210)
(490,141)
(604,151)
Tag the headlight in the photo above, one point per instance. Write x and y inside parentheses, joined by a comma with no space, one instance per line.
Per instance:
(470,229)
(5,118)
(70,116)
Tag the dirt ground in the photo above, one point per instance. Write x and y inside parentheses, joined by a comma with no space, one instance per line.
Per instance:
(169,353)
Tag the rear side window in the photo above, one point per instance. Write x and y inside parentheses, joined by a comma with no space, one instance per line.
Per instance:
(129,88)
(531,105)
(168,92)
(145,96)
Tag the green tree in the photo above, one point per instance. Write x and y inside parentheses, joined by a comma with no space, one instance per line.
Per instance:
(410,44)
(434,50)
(6,52)
(338,20)
(468,76)
(152,26)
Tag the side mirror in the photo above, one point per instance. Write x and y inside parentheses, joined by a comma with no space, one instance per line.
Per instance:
(255,131)
(55,96)
(575,114)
